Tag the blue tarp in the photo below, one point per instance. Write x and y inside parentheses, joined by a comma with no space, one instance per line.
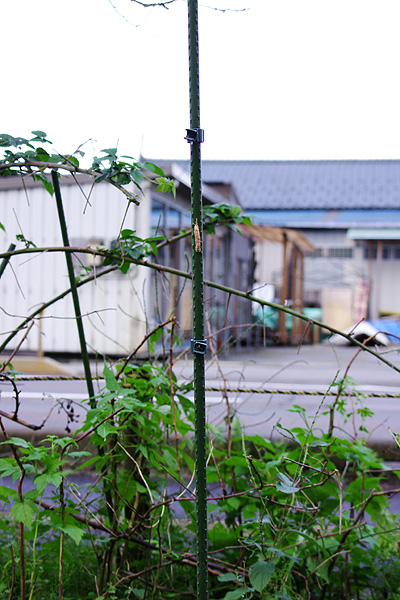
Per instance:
(390,327)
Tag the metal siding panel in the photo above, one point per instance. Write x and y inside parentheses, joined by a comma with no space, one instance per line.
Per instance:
(374,234)
(385,292)
(328,238)
(44,276)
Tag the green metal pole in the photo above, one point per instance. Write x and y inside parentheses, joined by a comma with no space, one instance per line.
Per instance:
(198,345)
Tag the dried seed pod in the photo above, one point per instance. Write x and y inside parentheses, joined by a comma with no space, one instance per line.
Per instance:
(197,239)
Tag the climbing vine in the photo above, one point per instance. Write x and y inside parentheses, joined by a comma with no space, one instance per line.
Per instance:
(307,516)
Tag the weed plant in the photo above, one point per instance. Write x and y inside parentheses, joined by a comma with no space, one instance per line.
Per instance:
(306,518)
(285,521)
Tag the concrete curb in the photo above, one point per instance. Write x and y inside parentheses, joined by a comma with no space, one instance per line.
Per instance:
(39,365)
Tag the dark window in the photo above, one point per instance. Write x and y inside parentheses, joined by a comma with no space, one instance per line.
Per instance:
(370,252)
(158,210)
(168,220)
(389,251)
(340,252)
(317,253)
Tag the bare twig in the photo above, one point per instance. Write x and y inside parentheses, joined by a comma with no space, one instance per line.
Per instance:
(14,352)
(132,354)
(20,499)
(227,403)
(171,387)
(13,573)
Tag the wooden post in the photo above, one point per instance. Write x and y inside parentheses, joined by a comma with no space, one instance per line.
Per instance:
(40,352)
(295,290)
(301,290)
(284,290)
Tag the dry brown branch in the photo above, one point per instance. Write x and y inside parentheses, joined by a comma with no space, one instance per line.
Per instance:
(171,387)
(13,573)
(20,499)
(132,354)
(14,352)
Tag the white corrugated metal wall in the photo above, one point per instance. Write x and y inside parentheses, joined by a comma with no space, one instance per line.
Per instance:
(115,320)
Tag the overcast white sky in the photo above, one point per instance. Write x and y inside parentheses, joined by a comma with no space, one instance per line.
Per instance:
(287,79)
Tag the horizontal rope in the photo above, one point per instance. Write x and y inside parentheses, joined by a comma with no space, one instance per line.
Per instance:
(298,392)
(45,377)
(222,390)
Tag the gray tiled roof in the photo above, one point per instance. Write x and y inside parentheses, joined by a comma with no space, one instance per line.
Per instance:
(347,184)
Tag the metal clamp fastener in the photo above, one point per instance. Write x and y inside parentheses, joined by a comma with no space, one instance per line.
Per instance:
(198,346)
(194,135)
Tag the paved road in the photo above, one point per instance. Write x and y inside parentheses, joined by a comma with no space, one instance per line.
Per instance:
(313,368)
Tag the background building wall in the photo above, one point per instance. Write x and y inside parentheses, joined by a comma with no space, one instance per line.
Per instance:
(113,318)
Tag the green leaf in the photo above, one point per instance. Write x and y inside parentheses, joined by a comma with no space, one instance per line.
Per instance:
(136,176)
(48,186)
(110,151)
(39,134)
(92,461)
(105,430)
(165,409)
(154,338)
(101,177)
(249,510)
(233,503)
(73,160)
(149,166)
(45,479)
(317,443)
(143,450)
(122,178)
(236,594)
(227,577)
(260,441)
(111,382)
(23,513)
(284,478)
(17,441)
(124,267)
(42,154)
(236,461)
(7,493)
(290,433)
(165,186)
(260,574)
(8,467)
(285,485)
(76,533)
(6,140)
(27,243)
(79,453)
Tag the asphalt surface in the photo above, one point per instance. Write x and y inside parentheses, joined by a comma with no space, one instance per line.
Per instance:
(282,369)
(286,369)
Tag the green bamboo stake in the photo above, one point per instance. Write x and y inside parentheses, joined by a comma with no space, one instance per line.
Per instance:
(79,323)
(74,291)
(198,345)
(6,260)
